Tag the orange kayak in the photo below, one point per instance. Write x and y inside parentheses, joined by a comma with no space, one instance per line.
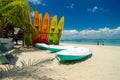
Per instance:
(44,29)
(37,23)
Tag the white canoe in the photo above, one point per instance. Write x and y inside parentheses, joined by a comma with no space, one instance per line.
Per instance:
(42,46)
(52,48)
(73,54)
(57,48)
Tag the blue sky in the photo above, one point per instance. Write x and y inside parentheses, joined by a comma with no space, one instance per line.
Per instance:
(84,15)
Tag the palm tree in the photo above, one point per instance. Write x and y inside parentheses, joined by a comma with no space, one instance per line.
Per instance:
(17,13)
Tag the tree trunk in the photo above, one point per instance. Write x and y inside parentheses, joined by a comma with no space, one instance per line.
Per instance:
(1,32)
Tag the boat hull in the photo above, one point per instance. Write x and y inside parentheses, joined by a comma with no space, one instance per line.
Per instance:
(69,58)
(53,50)
(57,48)
(41,46)
(73,54)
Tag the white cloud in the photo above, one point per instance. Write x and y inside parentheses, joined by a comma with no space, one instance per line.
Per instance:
(102,33)
(38,2)
(70,6)
(95,9)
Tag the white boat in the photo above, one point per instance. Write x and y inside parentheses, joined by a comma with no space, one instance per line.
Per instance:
(57,48)
(42,46)
(52,48)
(73,54)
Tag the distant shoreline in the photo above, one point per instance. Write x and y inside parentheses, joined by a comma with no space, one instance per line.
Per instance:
(94,42)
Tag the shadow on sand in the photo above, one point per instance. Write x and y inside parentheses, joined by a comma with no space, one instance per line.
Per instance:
(75,61)
(28,70)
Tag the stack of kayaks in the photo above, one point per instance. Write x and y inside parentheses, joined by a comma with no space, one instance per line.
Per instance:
(49,32)
(49,35)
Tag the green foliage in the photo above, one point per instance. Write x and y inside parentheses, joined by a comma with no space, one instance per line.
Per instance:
(16,12)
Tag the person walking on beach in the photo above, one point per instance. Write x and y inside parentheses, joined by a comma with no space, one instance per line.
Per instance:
(103,43)
(97,42)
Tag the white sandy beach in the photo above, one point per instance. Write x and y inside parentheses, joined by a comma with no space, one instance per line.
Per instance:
(104,64)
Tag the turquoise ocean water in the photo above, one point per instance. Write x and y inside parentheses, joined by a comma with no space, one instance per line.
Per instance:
(110,42)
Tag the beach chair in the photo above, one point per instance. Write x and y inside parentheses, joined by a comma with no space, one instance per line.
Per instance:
(6,44)
(4,57)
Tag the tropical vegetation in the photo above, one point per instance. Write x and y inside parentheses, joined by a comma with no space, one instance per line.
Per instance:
(16,13)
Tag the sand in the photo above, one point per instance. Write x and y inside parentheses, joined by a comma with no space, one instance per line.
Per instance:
(104,64)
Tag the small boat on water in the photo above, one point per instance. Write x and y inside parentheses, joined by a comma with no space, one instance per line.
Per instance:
(73,54)
(52,48)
